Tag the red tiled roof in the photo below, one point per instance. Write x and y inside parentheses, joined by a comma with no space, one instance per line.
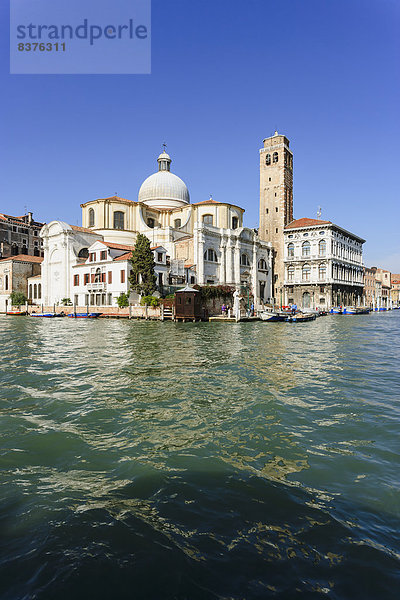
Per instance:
(125,256)
(155,247)
(189,266)
(305,222)
(110,198)
(210,201)
(116,246)
(83,229)
(35,277)
(24,258)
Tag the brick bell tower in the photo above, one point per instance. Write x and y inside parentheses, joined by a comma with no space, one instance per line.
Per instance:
(276,200)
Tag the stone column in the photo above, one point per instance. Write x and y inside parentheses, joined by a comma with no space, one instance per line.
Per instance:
(254,272)
(200,259)
(229,278)
(237,263)
(222,268)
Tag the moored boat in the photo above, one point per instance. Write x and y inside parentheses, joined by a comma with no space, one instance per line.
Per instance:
(349,310)
(272,316)
(16,313)
(300,318)
(93,315)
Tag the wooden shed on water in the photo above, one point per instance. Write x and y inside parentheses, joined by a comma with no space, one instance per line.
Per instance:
(188,304)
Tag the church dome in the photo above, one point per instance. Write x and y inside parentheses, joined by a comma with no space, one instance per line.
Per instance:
(164,189)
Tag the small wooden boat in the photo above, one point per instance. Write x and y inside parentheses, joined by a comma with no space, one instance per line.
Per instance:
(272,316)
(300,318)
(93,315)
(16,313)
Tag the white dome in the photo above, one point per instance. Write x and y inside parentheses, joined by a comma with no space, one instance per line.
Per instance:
(164,189)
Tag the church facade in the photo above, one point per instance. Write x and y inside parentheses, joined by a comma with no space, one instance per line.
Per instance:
(201,243)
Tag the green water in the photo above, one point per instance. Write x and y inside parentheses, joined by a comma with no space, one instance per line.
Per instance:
(196,461)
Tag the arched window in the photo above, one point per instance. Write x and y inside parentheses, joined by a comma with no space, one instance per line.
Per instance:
(306,249)
(275,157)
(6,282)
(207,219)
(24,250)
(290,273)
(30,291)
(177,223)
(91,217)
(235,222)
(36,251)
(35,291)
(290,250)
(306,272)
(306,300)
(322,271)
(150,222)
(119,220)
(210,255)
(83,253)
(244,260)
(39,294)
(268,159)
(14,250)
(322,247)
(97,277)
(262,265)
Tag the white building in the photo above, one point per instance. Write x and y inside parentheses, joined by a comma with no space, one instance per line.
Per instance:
(323,265)
(203,243)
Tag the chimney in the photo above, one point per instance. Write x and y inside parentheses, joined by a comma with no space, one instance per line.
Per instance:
(30,217)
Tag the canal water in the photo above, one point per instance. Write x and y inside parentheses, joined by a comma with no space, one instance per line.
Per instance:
(148,460)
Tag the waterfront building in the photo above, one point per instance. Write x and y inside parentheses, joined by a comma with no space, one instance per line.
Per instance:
(276,200)
(382,276)
(20,235)
(370,288)
(204,242)
(14,274)
(103,276)
(395,289)
(323,265)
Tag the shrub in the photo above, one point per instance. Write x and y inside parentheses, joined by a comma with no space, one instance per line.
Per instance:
(209,292)
(18,298)
(123,300)
(66,302)
(150,301)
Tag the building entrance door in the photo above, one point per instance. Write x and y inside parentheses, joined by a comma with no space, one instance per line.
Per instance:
(306,300)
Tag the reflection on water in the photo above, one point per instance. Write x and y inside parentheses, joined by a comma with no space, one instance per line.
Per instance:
(199,460)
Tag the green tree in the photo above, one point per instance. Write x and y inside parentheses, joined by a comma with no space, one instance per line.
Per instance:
(142,279)
(123,300)
(150,301)
(18,298)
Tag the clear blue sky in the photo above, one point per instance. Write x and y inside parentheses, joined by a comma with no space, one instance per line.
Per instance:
(225,74)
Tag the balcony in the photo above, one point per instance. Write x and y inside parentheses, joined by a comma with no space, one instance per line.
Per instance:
(96,287)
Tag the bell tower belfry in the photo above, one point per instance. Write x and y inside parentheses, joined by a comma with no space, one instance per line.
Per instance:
(276,200)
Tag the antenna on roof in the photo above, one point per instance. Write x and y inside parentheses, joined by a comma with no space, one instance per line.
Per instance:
(25,209)
(319,212)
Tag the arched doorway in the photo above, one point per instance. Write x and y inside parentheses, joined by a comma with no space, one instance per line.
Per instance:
(306,300)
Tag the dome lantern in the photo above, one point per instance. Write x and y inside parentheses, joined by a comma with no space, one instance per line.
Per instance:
(163,189)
